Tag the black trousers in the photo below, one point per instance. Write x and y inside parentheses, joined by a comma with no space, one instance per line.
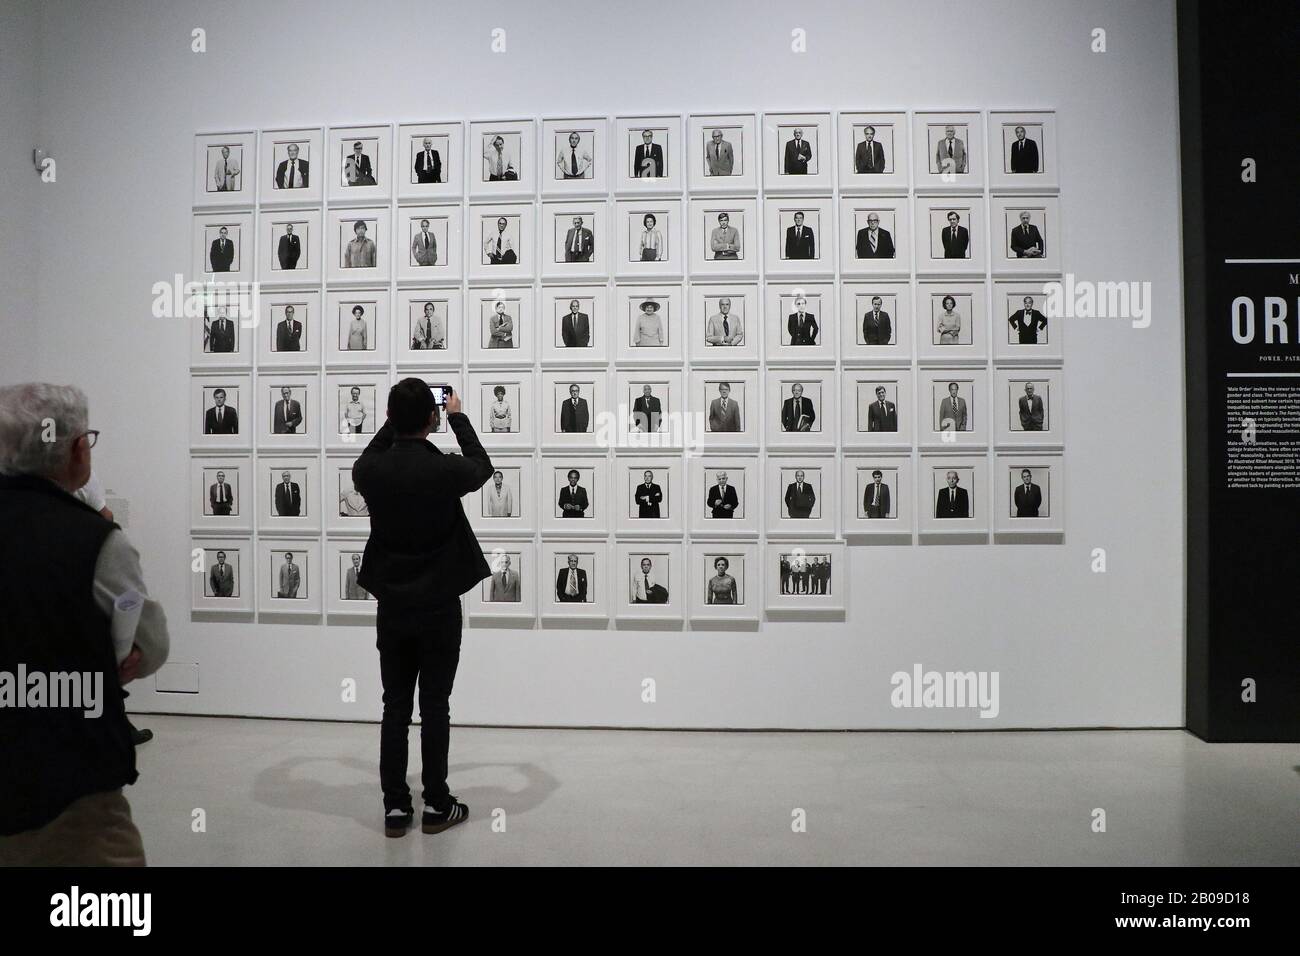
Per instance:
(421,645)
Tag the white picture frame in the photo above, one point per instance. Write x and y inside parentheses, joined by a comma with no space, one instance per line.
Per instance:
(638,426)
(787,518)
(708,338)
(739,137)
(887,339)
(213,433)
(934,220)
(744,474)
(938,423)
(510,425)
(744,406)
(357,339)
(554,477)
(487,508)
(631,225)
(297,263)
(716,254)
(344,597)
(339,413)
(440,259)
(222,334)
(414,177)
(519,138)
(296,426)
(561,263)
(662,562)
(818,388)
(558,152)
(887,516)
(302,495)
(483,262)
(1043,335)
(635,336)
(365,181)
(443,342)
(497,342)
(277,183)
(508,600)
(208,595)
(951,333)
(928,136)
(704,602)
(863,424)
(1036,516)
(1013,255)
(225,169)
(345,510)
(884,170)
(561,342)
(212,266)
(359,264)
(786,252)
(893,220)
(797,557)
(300,602)
(629,136)
(593,561)
(286,319)
(973,474)
(228,509)
(810,168)
(815,333)
(1040,129)
(1013,425)
(667,496)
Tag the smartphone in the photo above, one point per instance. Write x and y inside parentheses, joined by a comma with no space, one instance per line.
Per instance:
(440,395)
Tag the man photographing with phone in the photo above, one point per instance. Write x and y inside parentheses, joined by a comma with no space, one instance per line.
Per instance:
(421,557)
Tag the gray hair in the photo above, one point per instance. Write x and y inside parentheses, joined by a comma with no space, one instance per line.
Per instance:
(38,424)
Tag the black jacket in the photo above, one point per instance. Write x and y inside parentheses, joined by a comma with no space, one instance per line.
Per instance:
(422,551)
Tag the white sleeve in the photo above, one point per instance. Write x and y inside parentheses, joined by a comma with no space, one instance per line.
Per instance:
(92,493)
(118,571)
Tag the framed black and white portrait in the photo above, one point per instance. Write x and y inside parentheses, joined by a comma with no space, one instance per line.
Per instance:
(225,167)
(650,323)
(950,235)
(429,158)
(344,595)
(427,324)
(501,326)
(357,246)
(221,411)
(648,583)
(876,323)
(575,240)
(360,164)
(873,153)
(649,496)
(288,493)
(287,410)
(724,408)
(290,329)
(949,151)
(575,495)
(876,494)
(507,502)
(574,325)
(1029,491)
(1028,407)
(221,575)
(292,167)
(290,247)
(509,596)
(875,236)
(1023,330)
(356,326)
(723,237)
(648,158)
(650,409)
(953,496)
(222,327)
(430,238)
(800,236)
(724,323)
(648,238)
(575,157)
(356,406)
(806,576)
(797,150)
(344,509)
(950,319)
(223,247)
(289,575)
(800,495)
(801,323)
(724,495)
(800,409)
(501,240)
(221,496)
(1024,151)
(953,407)
(572,580)
(724,583)
(574,412)
(877,405)
(501,406)
(502,156)
(722,151)
(1026,235)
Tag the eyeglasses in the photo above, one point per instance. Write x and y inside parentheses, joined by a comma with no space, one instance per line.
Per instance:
(92,437)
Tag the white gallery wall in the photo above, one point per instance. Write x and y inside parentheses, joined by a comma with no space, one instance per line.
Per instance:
(118,96)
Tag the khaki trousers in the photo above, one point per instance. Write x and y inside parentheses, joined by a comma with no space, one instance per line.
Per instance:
(95,830)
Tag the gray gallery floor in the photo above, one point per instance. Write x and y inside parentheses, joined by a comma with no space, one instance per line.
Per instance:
(288,792)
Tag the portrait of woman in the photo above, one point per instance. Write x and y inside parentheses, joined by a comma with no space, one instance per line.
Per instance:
(652,240)
(358,330)
(501,329)
(498,500)
(722,586)
(949,327)
(501,416)
(649,330)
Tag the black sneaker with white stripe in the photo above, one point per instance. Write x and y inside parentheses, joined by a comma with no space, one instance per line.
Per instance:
(436,821)
(397,822)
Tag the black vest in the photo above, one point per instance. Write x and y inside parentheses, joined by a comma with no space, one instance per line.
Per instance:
(49,622)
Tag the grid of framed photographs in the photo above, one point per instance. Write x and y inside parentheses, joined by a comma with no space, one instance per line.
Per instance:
(704,351)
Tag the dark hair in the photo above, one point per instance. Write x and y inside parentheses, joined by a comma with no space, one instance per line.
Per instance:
(410,403)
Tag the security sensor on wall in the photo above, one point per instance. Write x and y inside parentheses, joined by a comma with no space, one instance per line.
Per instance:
(44,164)
(38,158)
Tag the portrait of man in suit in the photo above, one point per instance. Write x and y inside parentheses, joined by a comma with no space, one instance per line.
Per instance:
(647,411)
(1027,323)
(220,332)
(875,499)
(1026,240)
(428,164)
(571,582)
(503,585)
(724,327)
(1028,497)
(646,588)
(724,411)
(574,414)
(648,160)
(953,415)
(877,329)
(798,154)
(359,253)
(221,497)
(723,501)
(573,501)
(288,578)
(1032,410)
(220,419)
(286,416)
(869,156)
(424,246)
(573,161)
(288,497)
(352,589)
(872,241)
(499,250)
(288,332)
(801,324)
(648,496)
(955,238)
(1024,153)
(575,327)
(882,414)
(950,155)
(800,243)
(719,157)
(724,239)
(800,496)
(952,501)
(292,172)
(357,170)
(221,578)
(797,412)
(221,254)
(500,164)
(225,173)
(289,249)
(429,331)
(579,242)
